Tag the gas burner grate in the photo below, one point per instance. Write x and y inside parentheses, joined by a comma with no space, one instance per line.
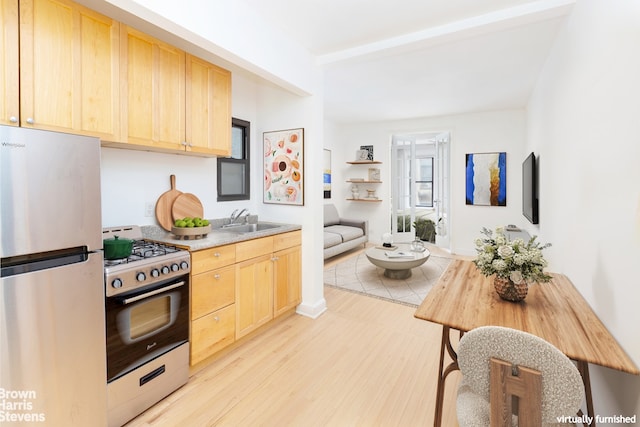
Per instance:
(146,249)
(143,249)
(130,258)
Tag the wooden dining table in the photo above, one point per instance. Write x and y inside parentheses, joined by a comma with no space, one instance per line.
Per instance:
(464,299)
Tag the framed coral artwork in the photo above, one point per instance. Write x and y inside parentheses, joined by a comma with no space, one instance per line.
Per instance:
(283,167)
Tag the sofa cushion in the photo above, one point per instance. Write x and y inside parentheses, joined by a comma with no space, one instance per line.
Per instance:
(331,239)
(347,233)
(331,215)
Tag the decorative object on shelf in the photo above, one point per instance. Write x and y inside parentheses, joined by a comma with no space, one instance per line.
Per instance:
(355,192)
(387,240)
(374,174)
(283,167)
(371,194)
(326,174)
(516,264)
(486,179)
(362,155)
(369,150)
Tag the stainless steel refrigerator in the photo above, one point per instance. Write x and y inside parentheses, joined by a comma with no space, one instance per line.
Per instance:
(52,322)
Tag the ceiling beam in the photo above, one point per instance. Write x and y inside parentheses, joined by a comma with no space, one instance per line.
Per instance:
(528,13)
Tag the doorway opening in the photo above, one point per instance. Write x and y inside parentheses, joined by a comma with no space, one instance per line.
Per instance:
(420,187)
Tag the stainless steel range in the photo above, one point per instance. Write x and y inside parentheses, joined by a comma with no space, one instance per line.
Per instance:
(147,324)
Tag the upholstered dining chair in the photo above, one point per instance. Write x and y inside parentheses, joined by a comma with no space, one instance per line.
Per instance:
(560,391)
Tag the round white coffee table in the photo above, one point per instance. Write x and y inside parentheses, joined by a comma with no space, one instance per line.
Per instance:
(397,263)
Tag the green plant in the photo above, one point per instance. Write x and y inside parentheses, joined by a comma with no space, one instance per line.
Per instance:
(514,260)
(425,229)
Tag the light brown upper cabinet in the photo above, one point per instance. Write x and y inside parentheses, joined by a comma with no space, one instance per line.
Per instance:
(208,99)
(67,68)
(153,73)
(9,66)
(174,101)
(69,58)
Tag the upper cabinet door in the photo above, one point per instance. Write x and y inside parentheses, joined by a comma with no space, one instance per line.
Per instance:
(69,61)
(154,73)
(9,66)
(208,99)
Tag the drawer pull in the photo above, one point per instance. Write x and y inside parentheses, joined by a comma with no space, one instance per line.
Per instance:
(216,254)
(217,319)
(216,276)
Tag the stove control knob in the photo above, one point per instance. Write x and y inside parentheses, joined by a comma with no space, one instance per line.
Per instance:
(165,269)
(141,277)
(155,272)
(184,265)
(175,267)
(117,283)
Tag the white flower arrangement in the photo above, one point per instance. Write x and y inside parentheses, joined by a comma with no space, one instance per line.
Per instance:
(514,260)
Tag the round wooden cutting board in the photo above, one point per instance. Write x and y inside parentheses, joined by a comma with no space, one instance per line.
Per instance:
(165,204)
(187,205)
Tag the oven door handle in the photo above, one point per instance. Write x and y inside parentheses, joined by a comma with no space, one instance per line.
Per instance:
(126,301)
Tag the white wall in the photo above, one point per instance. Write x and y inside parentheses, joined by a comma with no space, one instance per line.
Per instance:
(279,110)
(470,133)
(583,124)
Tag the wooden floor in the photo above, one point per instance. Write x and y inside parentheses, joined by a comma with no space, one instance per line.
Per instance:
(364,362)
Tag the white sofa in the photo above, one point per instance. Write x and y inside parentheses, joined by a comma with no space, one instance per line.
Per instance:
(342,234)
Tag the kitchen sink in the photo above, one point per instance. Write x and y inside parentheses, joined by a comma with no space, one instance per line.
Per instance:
(248,228)
(220,234)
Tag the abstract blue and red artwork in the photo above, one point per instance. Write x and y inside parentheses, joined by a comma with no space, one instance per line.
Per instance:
(486,178)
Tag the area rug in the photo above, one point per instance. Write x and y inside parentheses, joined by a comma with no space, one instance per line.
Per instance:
(357,274)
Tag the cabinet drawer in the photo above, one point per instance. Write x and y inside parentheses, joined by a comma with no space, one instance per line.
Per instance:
(210,259)
(212,333)
(212,290)
(254,248)
(287,240)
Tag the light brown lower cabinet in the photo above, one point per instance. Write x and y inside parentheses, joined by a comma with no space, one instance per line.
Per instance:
(254,294)
(287,276)
(236,289)
(213,316)
(212,332)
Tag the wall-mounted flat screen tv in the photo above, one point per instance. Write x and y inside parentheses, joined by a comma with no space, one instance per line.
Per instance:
(530,189)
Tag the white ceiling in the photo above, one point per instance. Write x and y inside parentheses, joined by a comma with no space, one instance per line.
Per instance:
(397,59)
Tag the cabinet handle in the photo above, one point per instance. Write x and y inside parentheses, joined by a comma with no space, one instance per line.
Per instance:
(216,276)
(217,319)
(275,258)
(217,254)
(30,120)
(13,119)
(184,143)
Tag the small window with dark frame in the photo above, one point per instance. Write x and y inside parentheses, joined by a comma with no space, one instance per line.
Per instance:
(234,172)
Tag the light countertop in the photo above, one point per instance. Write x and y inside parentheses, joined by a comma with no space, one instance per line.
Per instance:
(217,236)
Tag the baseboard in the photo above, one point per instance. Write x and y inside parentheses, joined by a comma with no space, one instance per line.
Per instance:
(313,311)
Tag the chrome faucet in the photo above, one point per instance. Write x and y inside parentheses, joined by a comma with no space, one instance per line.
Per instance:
(235,215)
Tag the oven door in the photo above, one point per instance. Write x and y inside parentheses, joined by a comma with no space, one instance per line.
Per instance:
(142,325)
